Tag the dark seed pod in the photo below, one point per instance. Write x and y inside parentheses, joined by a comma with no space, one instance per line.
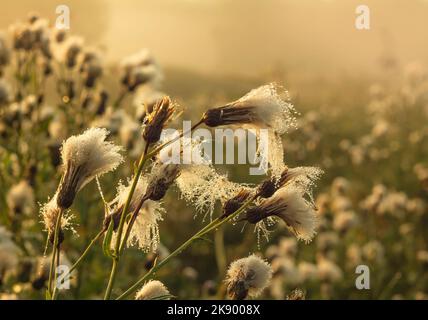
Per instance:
(267,188)
(213,117)
(254,215)
(233,204)
(61,237)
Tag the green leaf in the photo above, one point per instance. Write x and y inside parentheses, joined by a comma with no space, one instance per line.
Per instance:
(107,240)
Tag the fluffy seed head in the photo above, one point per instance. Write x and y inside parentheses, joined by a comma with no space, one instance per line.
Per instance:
(248,277)
(20,198)
(153,290)
(84,157)
(162,177)
(289,205)
(203,186)
(261,107)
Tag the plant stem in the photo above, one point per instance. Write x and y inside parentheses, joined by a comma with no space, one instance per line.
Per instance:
(137,174)
(81,258)
(119,244)
(130,224)
(52,271)
(213,225)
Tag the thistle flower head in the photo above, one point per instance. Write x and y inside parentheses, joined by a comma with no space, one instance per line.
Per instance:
(22,37)
(261,107)
(140,68)
(157,119)
(233,204)
(145,231)
(248,277)
(9,251)
(153,290)
(49,213)
(145,100)
(328,270)
(90,66)
(203,186)
(84,157)
(67,51)
(20,198)
(161,178)
(299,175)
(289,205)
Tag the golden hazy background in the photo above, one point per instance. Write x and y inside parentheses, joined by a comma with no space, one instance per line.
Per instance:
(248,37)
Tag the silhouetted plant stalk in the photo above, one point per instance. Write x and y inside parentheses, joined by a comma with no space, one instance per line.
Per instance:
(215,224)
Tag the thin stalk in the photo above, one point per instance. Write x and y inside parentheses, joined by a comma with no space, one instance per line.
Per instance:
(81,258)
(118,248)
(52,270)
(213,225)
(131,224)
(112,278)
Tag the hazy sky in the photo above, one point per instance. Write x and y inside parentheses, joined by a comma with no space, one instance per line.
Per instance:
(248,36)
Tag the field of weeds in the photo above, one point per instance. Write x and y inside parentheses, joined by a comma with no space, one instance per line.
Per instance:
(89,210)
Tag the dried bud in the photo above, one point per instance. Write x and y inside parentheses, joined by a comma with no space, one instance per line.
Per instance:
(229,114)
(163,176)
(233,204)
(156,120)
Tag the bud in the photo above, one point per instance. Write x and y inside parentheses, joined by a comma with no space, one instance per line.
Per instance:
(156,120)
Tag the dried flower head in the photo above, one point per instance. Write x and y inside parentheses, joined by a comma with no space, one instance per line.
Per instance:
(145,231)
(300,175)
(289,205)
(84,157)
(161,178)
(157,119)
(261,107)
(153,290)
(20,198)
(90,66)
(67,52)
(328,270)
(203,186)
(49,213)
(9,252)
(233,204)
(248,277)
(140,68)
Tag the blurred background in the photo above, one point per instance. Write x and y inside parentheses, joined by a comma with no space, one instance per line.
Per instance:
(363,102)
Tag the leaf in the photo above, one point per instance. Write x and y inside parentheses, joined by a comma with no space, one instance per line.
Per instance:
(107,240)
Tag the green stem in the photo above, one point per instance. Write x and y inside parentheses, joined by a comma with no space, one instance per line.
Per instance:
(81,258)
(119,245)
(131,223)
(112,278)
(54,252)
(212,226)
